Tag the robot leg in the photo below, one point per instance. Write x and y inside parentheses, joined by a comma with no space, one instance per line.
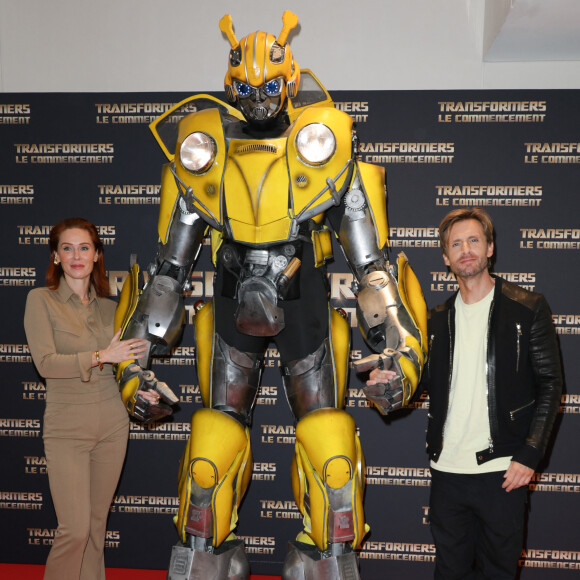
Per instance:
(216,466)
(327,481)
(214,473)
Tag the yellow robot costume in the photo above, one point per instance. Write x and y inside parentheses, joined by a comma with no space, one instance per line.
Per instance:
(272,175)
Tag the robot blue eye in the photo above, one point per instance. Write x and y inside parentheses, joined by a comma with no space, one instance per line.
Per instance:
(243,89)
(272,88)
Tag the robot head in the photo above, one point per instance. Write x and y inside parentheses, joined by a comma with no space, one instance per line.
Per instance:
(261,71)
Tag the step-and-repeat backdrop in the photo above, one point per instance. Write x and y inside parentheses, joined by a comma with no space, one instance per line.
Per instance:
(515,153)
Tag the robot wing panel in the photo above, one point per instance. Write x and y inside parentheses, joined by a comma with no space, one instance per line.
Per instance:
(165,127)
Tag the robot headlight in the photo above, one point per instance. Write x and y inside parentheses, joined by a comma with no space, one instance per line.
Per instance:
(315,143)
(198,152)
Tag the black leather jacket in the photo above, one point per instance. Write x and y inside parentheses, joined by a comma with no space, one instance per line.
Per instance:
(524,374)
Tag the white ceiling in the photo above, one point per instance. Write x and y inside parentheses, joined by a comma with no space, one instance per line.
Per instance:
(533,30)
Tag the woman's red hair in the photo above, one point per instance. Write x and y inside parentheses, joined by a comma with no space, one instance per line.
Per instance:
(54,273)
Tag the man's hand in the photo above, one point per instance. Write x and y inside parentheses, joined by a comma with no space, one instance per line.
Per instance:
(517,475)
(383,387)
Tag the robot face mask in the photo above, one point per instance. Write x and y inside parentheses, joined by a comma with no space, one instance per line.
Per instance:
(260,103)
(261,71)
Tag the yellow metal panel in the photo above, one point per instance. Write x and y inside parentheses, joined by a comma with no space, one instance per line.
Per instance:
(168,198)
(206,187)
(256,181)
(412,297)
(307,181)
(221,440)
(340,337)
(373,178)
(203,324)
(322,242)
(275,232)
(128,299)
(175,111)
(320,436)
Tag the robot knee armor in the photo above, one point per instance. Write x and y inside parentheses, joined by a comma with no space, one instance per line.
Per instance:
(215,471)
(328,470)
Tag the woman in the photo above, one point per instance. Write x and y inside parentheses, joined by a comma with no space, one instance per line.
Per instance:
(69,328)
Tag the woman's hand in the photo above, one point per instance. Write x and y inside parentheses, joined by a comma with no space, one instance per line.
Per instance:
(151,396)
(121,350)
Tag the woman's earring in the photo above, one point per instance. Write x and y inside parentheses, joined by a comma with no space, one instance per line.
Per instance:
(55,261)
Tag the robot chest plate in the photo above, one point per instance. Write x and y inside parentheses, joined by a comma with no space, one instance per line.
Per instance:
(256,191)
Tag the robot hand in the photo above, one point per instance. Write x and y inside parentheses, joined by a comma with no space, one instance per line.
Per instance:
(385,387)
(142,392)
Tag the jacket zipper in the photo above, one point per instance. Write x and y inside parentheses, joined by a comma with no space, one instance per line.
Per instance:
(516,411)
(489,405)
(431,339)
(449,378)
(518,336)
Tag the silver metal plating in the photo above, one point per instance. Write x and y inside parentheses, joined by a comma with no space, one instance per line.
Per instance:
(191,564)
(303,564)
(309,382)
(160,314)
(235,378)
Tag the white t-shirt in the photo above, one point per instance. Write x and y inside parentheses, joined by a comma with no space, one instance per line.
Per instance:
(466,429)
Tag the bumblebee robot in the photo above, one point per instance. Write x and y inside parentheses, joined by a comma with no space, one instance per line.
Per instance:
(272,175)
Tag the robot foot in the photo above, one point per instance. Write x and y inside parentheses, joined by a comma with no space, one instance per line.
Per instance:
(228,562)
(306,562)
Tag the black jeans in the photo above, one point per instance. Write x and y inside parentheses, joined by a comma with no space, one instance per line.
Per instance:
(477,526)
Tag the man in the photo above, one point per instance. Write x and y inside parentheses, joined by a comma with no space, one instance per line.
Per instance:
(494,381)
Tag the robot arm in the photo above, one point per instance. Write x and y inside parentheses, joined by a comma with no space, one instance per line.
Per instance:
(391,310)
(156,312)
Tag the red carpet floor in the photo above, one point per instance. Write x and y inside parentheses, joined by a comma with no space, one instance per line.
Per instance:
(35,572)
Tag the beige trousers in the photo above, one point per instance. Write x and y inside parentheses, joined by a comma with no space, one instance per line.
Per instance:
(85,448)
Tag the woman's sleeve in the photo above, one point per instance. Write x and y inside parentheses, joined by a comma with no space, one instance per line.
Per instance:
(40,337)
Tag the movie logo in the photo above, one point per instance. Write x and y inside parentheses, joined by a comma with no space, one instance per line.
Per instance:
(552,153)
(446,281)
(567,324)
(492,111)
(408,153)
(159,431)
(17,194)
(550,559)
(19,276)
(358,110)
(128,194)
(454,196)
(37,235)
(15,113)
(33,391)
(414,237)
(137,113)
(264,471)
(397,551)
(279,509)
(398,476)
(64,153)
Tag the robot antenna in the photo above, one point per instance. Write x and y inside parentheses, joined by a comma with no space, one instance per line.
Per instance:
(227,27)
(290,21)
